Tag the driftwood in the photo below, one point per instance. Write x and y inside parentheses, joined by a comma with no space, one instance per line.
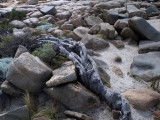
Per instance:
(77,53)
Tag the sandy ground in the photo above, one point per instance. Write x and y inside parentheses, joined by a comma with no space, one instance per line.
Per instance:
(121,84)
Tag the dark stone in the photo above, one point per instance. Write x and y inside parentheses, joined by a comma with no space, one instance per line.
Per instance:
(144,29)
(49,10)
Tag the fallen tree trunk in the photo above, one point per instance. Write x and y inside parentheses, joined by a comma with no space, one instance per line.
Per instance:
(77,53)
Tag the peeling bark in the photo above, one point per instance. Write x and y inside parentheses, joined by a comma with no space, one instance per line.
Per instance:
(86,66)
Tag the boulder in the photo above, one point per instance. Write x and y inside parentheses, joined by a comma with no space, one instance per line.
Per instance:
(93,42)
(64,15)
(79,32)
(108,5)
(91,20)
(133,11)
(77,21)
(107,30)
(74,96)
(32,2)
(148,46)
(120,24)
(77,115)
(50,10)
(129,33)
(36,14)
(110,16)
(31,22)
(10,89)
(21,113)
(146,66)
(21,49)
(67,27)
(28,73)
(152,11)
(18,24)
(138,24)
(142,99)
(65,74)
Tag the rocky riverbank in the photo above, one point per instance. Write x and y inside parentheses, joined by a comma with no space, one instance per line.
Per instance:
(123,38)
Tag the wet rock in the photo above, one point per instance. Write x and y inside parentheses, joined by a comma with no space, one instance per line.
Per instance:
(77,115)
(65,74)
(133,11)
(118,43)
(74,96)
(21,113)
(117,71)
(18,24)
(94,43)
(129,33)
(10,89)
(32,2)
(21,49)
(28,73)
(146,66)
(142,99)
(138,24)
(79,32)
(91,20)
(148,46)
(107,30)
(49,10)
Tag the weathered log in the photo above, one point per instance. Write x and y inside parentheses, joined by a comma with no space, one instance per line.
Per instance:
(86,66)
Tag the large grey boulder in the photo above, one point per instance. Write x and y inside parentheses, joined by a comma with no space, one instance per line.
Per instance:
(49,10)
(21,113)
(91,20)
(94,43)
(74,96)
(146,66)
(65,74)
(28,73)
(79,32)
(144,29)
(142,99)
(148,46)
(18,24)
